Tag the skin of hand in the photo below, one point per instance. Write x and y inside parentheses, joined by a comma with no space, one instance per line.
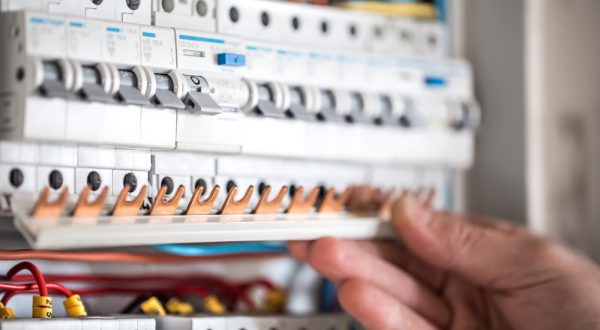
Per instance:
(458,272)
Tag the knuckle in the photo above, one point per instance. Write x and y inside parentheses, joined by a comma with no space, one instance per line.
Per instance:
(543,250)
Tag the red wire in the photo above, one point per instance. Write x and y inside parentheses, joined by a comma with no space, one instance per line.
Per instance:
(258,281)
(35,271)
(123,257)
(213,280)
(31,288)
(224,288)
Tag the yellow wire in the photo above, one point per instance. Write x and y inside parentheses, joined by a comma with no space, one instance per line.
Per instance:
(416,10)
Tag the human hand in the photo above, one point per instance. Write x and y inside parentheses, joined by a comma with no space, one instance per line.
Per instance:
(457,272)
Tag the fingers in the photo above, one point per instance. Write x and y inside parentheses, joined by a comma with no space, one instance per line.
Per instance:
(375,309)
(341,261)
(488,255)
(391,252)
(298,249)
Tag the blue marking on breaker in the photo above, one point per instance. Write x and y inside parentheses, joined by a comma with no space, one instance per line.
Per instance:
(203,39)
(435,81)
(113,29)
(76,24)
(231,59)
(149,34)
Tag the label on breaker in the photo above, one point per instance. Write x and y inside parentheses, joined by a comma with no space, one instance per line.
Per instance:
(85,40)
(45,35)
(321,67)
(351,71)
(122,43)
(291,64)
(199,52)
(158,47)
(229,93)
(260,63)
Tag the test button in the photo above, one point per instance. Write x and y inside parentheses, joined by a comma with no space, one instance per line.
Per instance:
(231,59)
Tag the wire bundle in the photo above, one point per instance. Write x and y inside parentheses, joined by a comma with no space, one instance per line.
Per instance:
(218,296)
(42,303)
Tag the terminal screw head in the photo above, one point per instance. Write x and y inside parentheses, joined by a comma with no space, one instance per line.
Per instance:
(55,179)
(130,180)
(94,180)
(16,177)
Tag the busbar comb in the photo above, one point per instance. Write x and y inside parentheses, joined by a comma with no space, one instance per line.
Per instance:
(85,208)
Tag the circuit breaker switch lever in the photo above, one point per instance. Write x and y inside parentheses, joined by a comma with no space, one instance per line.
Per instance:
(57,79)
(164,96)
(202,103)
(92,89)
(128,91)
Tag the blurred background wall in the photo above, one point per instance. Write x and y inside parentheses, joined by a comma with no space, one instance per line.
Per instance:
(537,65)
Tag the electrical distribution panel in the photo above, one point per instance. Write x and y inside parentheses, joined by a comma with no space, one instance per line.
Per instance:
(102,105)
(149,123)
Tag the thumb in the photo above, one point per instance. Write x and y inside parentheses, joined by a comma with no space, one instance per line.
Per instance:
(486,255)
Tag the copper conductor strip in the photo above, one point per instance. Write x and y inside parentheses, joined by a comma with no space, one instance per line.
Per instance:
(44,208)
(231,206)
(430,198)
(197,206)
(331,204)
(83,208)
(266,206)
(299,204)
(123,208)
(363,199)
(164,206)
(418,194)
(386,201)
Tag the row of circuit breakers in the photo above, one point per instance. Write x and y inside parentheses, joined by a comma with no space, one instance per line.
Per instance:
(132,87)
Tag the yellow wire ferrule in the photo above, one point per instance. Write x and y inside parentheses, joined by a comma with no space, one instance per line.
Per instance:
(275,301)
(74,306)
(42,307)
(6,313)
(176,306)
(213,305)
(152,306)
